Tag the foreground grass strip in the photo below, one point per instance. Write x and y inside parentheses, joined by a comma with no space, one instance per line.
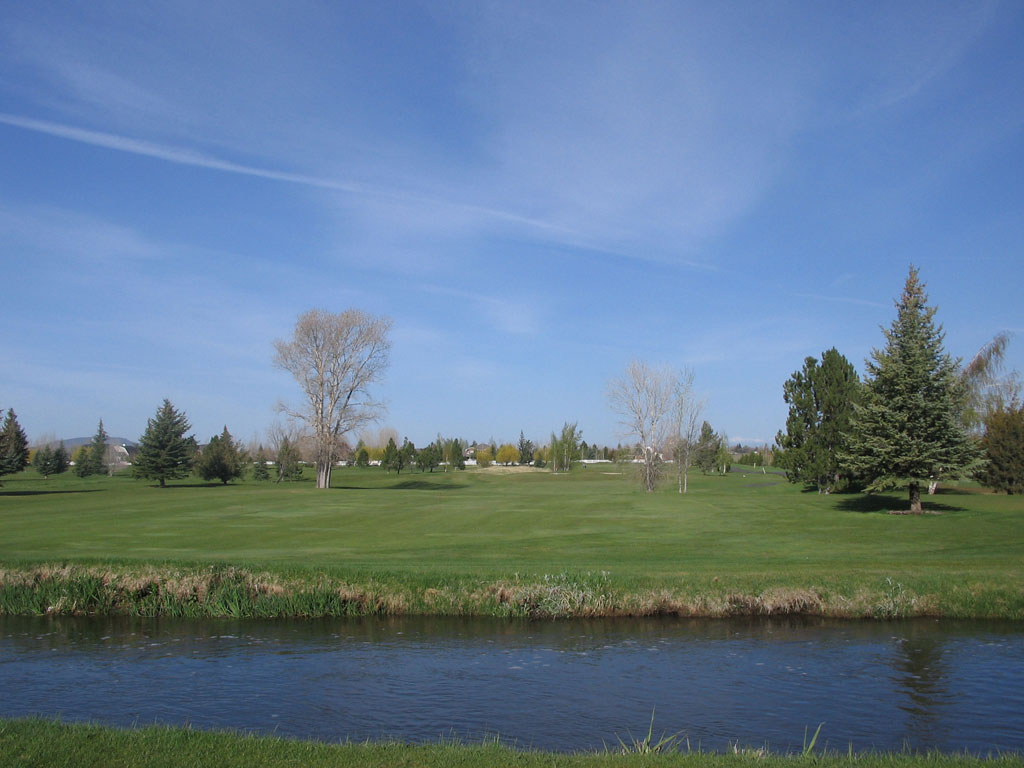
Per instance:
(237,592)
(35,742)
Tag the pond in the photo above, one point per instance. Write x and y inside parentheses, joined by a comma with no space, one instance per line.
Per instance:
(564,685)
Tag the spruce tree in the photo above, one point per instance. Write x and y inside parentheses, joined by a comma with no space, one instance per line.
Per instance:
(907,429)
(13,446)
(60,460)
(98,451)
(164,451)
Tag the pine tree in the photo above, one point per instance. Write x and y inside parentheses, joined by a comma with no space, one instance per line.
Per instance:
(1003,445)
(60,461)
(907,429)
(221,459)
(164,451)
(820,399)
(13,446)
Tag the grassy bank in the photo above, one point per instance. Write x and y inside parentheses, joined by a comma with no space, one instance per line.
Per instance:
(40,742)
(490,543)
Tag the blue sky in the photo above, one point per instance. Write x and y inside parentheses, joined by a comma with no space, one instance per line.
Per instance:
(536,193)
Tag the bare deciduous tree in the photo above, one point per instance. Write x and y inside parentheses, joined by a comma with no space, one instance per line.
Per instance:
(644,398)
(686,414)
(335,358)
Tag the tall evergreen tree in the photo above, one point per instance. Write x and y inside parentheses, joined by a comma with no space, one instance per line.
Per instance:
(164,451)
(907,429)
(13,446)
(222,459)
(821,398)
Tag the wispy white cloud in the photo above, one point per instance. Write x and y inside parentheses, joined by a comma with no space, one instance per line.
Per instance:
(840,299)
(171,154)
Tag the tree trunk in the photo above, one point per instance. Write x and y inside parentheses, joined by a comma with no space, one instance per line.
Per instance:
(915,499)
(323,474)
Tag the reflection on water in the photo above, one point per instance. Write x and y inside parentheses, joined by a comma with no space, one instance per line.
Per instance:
(557,685)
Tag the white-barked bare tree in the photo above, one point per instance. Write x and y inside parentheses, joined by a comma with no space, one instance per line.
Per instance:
(643,399)
(335,358)
(686,418)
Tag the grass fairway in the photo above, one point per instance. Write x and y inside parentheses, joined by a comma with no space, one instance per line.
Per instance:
(751,543)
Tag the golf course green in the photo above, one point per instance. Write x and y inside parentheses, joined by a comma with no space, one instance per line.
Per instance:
(516,542)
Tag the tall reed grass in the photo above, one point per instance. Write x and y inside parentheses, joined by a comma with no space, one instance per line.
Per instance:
(229,591)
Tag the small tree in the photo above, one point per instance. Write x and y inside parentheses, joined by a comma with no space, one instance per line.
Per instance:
(686,411)
(525,449)
(164,451)
(221,459)
(706,453)
(92,461)
(98,451)
(259,466)
(391,459)
(565,447)
(484,457)
(507,454)
(908,428)
(288,464)
(13,446)
(1003,445)
(362,457)
(60,460)
(428,458)
(50,461)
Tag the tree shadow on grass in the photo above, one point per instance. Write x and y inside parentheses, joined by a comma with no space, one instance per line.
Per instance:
(425,485)
(405,485)
(866,503)
(213,484)
(4,492)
